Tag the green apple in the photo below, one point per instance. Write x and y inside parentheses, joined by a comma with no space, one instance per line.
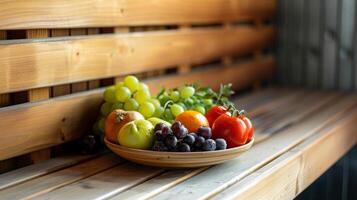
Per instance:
(155,120)
(137,134)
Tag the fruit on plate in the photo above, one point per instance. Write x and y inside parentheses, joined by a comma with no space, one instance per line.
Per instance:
(230,128)
(155,120)
(137,134)
(192,120)
(116,120)
(250,127)
(177,139)
(214,112)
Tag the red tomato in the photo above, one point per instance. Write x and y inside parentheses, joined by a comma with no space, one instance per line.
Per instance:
(232,129)
(214,112)
(250,127)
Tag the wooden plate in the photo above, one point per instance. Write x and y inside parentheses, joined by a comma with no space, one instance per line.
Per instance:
(177,159)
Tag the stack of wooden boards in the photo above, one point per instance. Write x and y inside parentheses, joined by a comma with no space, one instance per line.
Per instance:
(306,132)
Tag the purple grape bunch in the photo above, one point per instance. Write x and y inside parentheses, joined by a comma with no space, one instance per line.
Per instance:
(177,139)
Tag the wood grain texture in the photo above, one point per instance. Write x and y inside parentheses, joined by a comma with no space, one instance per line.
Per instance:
(62,124)
(105,184)
(4,98)
(208,183)
(38,95)
(53,62)
(43,184)
(23,14)
(296,169)
(18,176)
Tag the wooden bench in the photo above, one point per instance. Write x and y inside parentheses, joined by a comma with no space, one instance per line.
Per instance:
(56,57)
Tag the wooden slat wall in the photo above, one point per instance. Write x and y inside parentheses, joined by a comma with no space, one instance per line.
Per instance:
(110,13)
(317,47)
(55,51)
(327,59)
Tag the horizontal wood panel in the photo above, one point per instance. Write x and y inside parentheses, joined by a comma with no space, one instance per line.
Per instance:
(51,62)
(24,14)
(34,126)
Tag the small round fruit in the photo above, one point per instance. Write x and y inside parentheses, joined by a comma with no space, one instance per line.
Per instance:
(142,96)
(158,112)
(189,139)
(155,102)
(159,136)
(208,102)
(117,105)
(204,132)
(250,127)
(155,120)
(175,96)
(159,146)
(194,135)
(137,134)
(106,108)
(200,109)
(171,141)
(131,104)
(147,109)
(159,126)
(181,132)
(214,112)
(183,147)
(209,145)
(122,94)
(166,131)
(131,82)
(221,144)
(199,142)
(109,94)
(143,86)
(116,120)
(192,120)
(176,109)
(187,92)
(168,115)
(120,84)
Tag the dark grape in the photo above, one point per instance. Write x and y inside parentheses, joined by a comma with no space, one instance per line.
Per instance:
(159,136)
(159,126)
(159,146)
(221,144)
(176,125)
(180,132)
(204,132)
(194,135)
(171,141)
(199,142)
(189,139)
(166,131)
(209,145)
(183,147)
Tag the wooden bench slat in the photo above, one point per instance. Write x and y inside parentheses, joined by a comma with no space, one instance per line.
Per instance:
(33,171)
(23,14)
(157,184)
(40,128)
(60,61)
(219,177)
(105,184)
(44,184)
(295,170)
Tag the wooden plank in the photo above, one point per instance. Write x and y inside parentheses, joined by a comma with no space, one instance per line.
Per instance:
(93,57)
(219,177)
(295,170)
(38,95)
(21,175)
(90,13)
(64,89)
(94,83)
(157,184)
(4,98)
(47,183)
(67,125)
(105,184)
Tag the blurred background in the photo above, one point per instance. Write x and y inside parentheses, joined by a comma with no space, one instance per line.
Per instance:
(317,48)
